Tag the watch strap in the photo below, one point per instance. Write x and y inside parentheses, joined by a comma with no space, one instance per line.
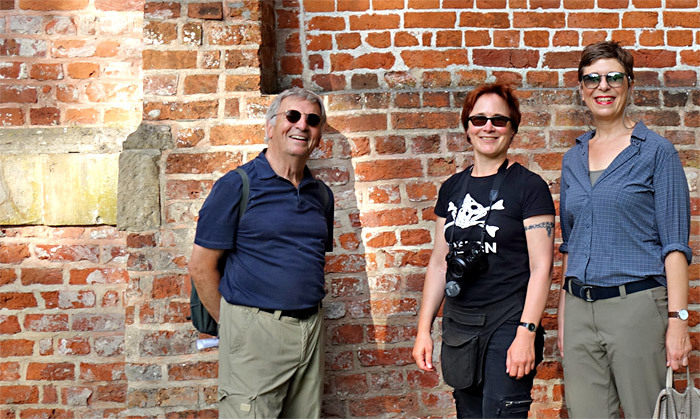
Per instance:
(529,326)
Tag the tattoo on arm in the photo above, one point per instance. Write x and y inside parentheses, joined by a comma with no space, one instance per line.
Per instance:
(547,224)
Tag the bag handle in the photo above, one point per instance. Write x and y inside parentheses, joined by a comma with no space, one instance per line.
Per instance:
(669,378)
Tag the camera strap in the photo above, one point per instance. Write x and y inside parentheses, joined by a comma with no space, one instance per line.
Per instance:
(493,196)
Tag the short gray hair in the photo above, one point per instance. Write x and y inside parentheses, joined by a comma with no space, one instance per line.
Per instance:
(295,92)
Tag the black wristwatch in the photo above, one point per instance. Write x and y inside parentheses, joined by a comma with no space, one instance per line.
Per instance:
(529,326)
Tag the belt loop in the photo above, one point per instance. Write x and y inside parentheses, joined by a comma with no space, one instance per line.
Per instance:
(623,291)
(277,314)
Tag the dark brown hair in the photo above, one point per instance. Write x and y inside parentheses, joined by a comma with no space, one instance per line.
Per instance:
(500,89)
(606,49)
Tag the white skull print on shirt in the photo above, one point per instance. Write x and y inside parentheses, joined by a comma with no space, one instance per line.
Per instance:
(472,213)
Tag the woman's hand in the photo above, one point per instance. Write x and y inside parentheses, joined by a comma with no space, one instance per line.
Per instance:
(423,352)
(678,345)
(521,354)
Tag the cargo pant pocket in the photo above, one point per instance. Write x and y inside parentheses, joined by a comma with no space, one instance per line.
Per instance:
(514,407)
(459,358)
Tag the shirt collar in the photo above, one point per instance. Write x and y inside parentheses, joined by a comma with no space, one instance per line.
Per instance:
(639,132)
(264,170)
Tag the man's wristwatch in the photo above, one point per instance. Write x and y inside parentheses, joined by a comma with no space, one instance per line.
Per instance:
(532,326)
(680,314)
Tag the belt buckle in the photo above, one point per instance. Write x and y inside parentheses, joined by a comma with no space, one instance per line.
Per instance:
(585,293)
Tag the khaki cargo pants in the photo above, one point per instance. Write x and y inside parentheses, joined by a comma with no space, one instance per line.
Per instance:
(269,365)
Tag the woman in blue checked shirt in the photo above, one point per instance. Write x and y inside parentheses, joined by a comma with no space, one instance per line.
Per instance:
(625,218)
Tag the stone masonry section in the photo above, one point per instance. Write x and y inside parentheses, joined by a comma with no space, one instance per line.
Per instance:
(93,317)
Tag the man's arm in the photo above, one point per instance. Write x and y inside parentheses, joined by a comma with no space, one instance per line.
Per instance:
(205,275)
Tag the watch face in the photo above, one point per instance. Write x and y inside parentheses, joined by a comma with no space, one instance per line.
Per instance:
(531,327)
(683,314)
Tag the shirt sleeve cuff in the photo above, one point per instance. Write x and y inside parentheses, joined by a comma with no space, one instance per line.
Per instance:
(564,248)
(678,247)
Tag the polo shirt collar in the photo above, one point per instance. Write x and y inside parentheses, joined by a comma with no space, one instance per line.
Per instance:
(264,170)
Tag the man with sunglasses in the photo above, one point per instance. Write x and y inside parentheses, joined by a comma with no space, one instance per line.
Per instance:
(267,299)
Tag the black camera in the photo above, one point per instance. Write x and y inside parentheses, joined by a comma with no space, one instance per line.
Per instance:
(463,264)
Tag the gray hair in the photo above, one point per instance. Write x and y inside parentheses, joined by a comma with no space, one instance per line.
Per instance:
(295,92)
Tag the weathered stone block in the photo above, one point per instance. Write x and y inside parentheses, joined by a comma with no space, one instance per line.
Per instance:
(80,189)
(139,190)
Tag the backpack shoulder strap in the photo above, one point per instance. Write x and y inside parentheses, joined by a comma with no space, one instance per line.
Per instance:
(324,194)
(245,191)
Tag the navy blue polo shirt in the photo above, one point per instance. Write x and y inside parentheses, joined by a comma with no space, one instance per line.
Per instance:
(278,247)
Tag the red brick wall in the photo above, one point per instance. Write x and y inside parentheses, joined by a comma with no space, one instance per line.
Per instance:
(70,62)
(394,73)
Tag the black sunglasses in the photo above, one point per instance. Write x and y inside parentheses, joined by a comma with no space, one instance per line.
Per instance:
(294,116)
(613,78)
(496,121)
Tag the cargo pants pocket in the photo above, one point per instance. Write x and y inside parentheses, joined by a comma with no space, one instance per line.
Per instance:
(459,356)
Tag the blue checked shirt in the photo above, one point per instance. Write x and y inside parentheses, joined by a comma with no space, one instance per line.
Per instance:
(621,229)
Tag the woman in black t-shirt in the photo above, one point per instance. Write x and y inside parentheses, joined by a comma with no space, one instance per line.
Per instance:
(492,257)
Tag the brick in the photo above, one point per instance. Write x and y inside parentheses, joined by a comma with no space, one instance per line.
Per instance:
(318,6)
(352,5)
(435,59)
(237,134)
(90,276)
(97,322)
(291,65)
(345,385)
(18,94)
(680,78)
(9,324)
(44,116)
(165,10)
(373,22)
(381,239)
(193,371)
(161,60)
(13,253)
(593,20)
(345,264)
(373,61)
(506,39)
(190,137)
(640,19)
(211,10)
(506,58)
(426,120)
(68,93)
(201,83)
(7,276)
(388,169)
(226,35)
(562,59)
(68,299)
(53,5)
(19,394)
(44,276)
(16,347)
(102,372)
(81,116)
(159,33)
(67,253)
(393,144)
(324,42)
(44,72)
(9,371)
(11,70)
(168,286)
(241,58)
(221,162)
(681,19)
(63,371)
(539,20)
(119,5)
(17,300)
(405,39)
(326,23)
(493,20)
(180,110)
(73,346)
(379,40)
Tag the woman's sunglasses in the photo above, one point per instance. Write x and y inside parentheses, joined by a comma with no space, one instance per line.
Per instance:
(496,121)
(294,116)
(613,78)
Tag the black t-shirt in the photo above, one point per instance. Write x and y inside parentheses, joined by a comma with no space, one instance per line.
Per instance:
(523,194)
